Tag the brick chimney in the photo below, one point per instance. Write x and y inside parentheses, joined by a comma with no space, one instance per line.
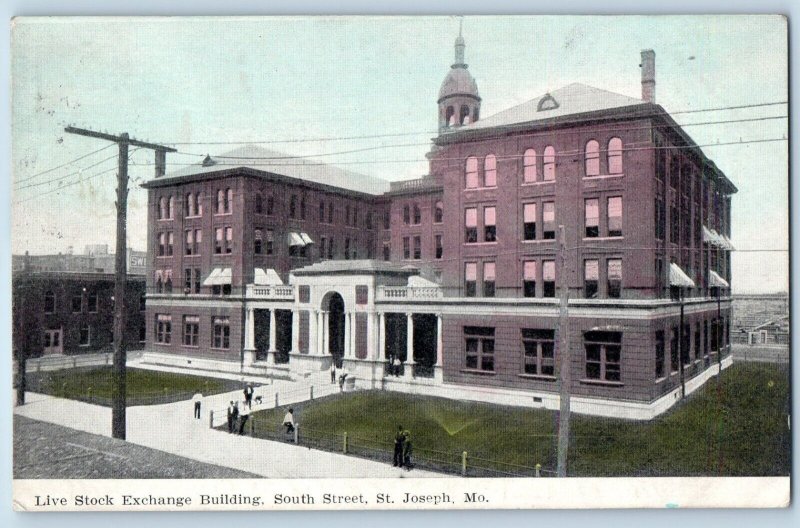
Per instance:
(648,67)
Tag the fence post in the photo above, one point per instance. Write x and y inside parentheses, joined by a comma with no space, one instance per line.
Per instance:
(311,392)
(211,419)
(344,449)
(296,433)
(276,400)
(89,393)
(538,470)
(464,464)
(252,426)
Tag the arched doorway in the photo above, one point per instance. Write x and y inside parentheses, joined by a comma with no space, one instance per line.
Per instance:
(334,304)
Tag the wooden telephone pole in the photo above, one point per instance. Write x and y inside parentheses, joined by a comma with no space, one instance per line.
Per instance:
(121,263)
(564,363)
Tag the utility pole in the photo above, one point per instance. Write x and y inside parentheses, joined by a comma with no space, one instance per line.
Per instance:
(121,264)
(564,356)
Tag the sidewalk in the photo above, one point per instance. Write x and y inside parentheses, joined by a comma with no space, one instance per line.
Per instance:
(171,428)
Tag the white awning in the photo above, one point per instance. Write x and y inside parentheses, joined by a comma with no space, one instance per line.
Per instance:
(417,281)
(715,281)
(677,277)
(294,239)
(708,236)
(728,244)
(306,238)
(268,277)
(714,238)
(218,277)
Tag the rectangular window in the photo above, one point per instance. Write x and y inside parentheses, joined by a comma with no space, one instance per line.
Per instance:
(549,278)
(91,303)
(323,242)
(438,248)
(228,239)
(529,278)
(258,242)
(659,354)
(471,173)
(417,248)
(85,335)
(163,328)
(222,332)
(488,279)
(538,349)
(77,303)
(549,220)
(331,248)
(592,215)
(529,221)
(406,214)
(362,294)
(614,278)
(674,227)
(49,302)
(387,251)
(187,280)
(347,248)
(188,249)
(330,212)
(270,242)
(170,243)
(603,350)
(191,329)
(591,274)
(321,212)
(471,225)
(615,216)
(197,280)
(386,219)
(417,215)
(470,278)
(479,348)
(406,248)
(490,171)
(489,224)
(218,242)
(674,360)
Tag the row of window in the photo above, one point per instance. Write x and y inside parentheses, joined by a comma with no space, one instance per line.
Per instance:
(416,219)
(530,276)
(537,352)
(473,178)
(438,248)
(223,242)
(193,204)
(79,301)
(707,339)
(220,328)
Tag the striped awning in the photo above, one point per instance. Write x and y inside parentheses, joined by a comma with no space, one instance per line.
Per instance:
(267,277)
(715,281)
(294,239)
(306,239)
(677,277)
(218,277)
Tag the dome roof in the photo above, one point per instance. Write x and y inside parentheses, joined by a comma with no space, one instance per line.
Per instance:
(458,82)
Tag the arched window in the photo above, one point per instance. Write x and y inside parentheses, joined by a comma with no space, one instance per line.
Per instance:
(471,173)
(159,283)
(592,158)
(417,215)
(529,166)
(220,201)
(549,163)
(228,200)
(188,205)
(464,118)
(199,204)
(475,113)
(406,214)
(171,212)
(438,214)
(49,302)
(449,117)
(490,171)
(615,156)
(259,204)
(162,208)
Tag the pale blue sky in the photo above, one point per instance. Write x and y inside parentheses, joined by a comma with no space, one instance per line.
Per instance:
(200,80)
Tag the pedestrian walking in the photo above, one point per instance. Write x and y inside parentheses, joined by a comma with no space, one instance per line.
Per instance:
(399,439)
(342,378)
(408,450)
(233,414)
(243,416)
(397,364)
(197,399)
(288,421)
(248,395)
(333,372)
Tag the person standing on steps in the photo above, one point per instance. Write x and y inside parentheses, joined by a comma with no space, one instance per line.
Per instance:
(399,439)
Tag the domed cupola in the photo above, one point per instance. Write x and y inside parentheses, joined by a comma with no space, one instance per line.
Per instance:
(459,102)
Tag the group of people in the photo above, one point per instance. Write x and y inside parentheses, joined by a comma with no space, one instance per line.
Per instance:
(394,365)
(403,449)
(342,377)
(237,418)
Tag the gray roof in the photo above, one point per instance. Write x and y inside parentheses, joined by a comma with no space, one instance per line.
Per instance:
(351,266)
(575,98)
(269,161)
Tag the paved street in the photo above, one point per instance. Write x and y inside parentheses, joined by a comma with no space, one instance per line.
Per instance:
(171,428)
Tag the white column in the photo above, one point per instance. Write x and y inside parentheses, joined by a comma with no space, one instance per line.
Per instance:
(312,333)
(320,333)
(347,328)
(438,375)
(381,336)
(371,335)
(296,331)
(410,339)
(326,338)
(273,331)
(250,324)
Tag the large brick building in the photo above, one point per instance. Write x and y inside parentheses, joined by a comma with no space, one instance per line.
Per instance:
(266,263)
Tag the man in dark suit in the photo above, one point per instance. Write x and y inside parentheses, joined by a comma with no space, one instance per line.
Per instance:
(248,395)
(233,414)
(399,439)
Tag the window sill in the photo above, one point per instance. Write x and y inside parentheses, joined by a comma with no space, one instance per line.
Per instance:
(538,241)
(223,214)
(219,348)
(589,239)
(190,346)
(535,183)
(192,217)
(468,189)
(480,243)
(87,345)
(193,255)
(659,380)
(601,382)
(162,344)
(165,219)
(479,372)
(164,256)
(540,377)
(602,177)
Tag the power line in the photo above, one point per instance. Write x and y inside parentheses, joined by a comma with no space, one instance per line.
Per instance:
(27,178)
(400,134)
(78,172)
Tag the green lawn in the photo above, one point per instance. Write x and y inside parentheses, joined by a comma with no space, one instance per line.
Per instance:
(144,387)
(738,428)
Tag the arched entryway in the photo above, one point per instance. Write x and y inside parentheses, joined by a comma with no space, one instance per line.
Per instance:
(333,303)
